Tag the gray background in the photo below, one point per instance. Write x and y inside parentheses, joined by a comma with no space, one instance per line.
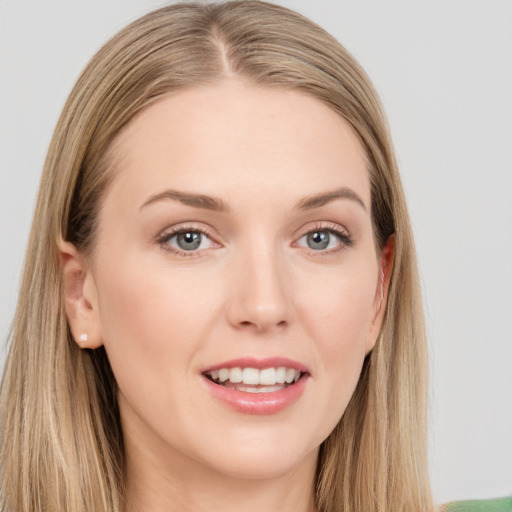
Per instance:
(443,69)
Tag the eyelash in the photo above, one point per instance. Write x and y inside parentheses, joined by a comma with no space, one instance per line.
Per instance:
(345,239)
(163,239)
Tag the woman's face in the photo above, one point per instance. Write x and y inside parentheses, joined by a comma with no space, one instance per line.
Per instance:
(235,243)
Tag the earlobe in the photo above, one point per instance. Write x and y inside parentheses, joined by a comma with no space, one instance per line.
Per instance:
(79,297)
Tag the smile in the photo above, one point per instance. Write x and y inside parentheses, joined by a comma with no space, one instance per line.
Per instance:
(257,386)
(253,380)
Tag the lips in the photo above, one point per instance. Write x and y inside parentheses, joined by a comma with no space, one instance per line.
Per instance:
(257,386)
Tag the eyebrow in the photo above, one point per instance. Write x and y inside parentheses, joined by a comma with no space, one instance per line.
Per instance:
(195,200)
(318,200)
(218,205)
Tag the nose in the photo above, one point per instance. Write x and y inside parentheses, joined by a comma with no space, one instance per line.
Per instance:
(260,295)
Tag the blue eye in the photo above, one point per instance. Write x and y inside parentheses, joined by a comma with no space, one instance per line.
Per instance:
(318,240)
(323,240)
(188,241)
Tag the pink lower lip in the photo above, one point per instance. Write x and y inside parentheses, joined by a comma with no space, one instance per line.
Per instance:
(257,403)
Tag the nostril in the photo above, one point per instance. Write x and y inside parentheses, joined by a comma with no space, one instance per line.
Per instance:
(262,325)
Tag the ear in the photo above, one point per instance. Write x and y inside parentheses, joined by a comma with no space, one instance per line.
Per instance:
(80,297)
(381,294)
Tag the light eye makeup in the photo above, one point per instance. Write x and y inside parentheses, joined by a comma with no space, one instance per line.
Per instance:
(186,241)
(319,239)
(324,238)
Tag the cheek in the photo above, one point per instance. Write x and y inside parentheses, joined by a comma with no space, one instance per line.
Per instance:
(149,320)
(136,343)
(144,299)
(339,310)
(339,318)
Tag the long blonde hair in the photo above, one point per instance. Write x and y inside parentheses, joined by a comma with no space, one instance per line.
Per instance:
(61,445)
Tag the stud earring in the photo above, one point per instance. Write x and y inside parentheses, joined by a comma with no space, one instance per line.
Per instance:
(83,337)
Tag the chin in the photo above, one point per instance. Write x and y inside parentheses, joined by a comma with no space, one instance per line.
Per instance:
(267,464)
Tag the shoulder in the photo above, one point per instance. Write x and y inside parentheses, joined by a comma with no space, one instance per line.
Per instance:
(496,505)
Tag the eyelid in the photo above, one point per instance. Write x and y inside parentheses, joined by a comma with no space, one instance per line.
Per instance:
(337,229)
(323,226)
(165,235)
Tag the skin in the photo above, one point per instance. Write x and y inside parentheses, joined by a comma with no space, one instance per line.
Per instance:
(253,288)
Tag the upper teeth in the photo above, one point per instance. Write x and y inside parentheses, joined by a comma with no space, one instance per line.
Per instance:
(266,377)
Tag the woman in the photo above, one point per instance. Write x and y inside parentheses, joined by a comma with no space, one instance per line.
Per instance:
(224,304)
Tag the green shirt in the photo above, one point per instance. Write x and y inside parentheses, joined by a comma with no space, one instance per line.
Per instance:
(497,505)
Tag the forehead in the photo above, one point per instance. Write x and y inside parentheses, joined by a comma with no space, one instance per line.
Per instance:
(234,138)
